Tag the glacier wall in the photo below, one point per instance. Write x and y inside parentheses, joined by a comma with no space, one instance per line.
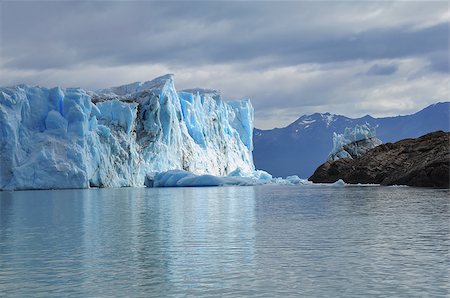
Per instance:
(72,138)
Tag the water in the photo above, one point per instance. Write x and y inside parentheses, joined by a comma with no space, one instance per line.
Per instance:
(229,241)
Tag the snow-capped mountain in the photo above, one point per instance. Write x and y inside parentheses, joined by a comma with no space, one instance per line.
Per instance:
(72,138)
(302,146)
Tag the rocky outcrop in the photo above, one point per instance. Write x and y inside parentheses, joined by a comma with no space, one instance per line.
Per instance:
(422,162)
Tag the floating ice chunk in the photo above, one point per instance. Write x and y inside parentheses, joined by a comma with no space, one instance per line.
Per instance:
(262,175)
(339,183)
(239,173)
(202,180)
(294,179)
(181,178)
(297,180)
(258,174)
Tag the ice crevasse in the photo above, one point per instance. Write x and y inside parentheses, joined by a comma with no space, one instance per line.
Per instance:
(73,138)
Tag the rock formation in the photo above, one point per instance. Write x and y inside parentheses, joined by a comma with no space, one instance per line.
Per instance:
(422,162)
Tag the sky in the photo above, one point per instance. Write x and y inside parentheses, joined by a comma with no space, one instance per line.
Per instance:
(290,58)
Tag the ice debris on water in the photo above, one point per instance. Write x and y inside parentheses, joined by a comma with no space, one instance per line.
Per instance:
(181,178)
(339,183)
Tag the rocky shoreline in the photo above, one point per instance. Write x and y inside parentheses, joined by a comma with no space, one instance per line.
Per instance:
(421,162)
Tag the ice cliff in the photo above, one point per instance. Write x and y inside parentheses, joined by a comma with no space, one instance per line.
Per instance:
(354,142)
(72,138)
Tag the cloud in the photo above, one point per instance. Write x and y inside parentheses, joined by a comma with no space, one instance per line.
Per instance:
(289,58)
(186,34)
(382,70)
(439,61)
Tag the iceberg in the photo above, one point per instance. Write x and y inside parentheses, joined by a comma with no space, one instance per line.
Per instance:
(181,178)
(339,183)
(354,142)
(73,138)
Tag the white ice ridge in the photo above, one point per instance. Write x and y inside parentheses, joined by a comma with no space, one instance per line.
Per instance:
(72,138)
(353,142)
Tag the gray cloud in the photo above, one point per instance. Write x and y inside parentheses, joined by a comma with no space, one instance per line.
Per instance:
(382,69)
(58,35)
(292,56)
(439,61)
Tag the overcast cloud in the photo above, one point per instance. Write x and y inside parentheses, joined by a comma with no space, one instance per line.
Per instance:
(289,58)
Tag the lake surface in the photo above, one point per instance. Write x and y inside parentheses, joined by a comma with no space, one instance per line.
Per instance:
(265,241)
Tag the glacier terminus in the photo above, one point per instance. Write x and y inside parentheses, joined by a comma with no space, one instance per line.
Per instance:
(73,138)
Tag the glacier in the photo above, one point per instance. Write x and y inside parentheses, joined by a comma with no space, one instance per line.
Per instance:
(354,142)
(53,138)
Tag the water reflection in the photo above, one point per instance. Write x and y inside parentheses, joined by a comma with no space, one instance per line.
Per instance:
(229,241)
(139,240)
(353,241)
(38,240)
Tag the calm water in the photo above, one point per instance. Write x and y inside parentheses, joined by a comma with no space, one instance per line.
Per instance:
(231,241)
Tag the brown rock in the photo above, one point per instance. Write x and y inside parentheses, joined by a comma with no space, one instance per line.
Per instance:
(423,162)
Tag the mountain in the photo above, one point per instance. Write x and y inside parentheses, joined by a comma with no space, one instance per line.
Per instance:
(73,138)
(302,146)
